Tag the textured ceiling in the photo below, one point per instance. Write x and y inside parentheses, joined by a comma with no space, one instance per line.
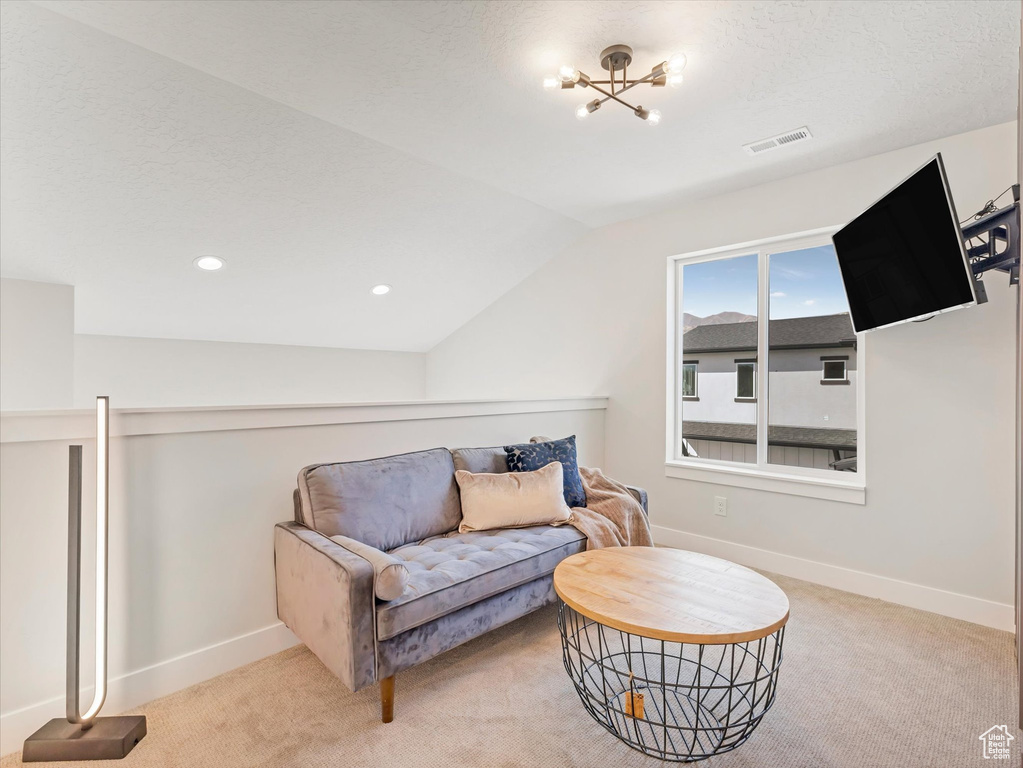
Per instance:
(410,143)
(120,166)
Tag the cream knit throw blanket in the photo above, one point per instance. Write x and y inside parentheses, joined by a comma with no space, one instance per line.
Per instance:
(612,517)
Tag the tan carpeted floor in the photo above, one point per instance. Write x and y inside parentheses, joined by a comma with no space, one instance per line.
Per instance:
(864,683)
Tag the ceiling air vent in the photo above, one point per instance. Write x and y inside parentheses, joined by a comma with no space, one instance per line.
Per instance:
(781,140)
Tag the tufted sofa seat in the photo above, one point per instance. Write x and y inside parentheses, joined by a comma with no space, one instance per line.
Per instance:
(450,571)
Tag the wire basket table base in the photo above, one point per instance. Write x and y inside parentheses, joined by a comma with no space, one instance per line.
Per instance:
(679,702)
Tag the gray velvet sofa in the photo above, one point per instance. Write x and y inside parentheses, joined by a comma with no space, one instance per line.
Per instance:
(355,519)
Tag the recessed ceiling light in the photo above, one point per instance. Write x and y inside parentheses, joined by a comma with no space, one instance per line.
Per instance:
(209,263)
(380,290)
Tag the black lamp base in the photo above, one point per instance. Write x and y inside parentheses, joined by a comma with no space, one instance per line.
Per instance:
(109,738)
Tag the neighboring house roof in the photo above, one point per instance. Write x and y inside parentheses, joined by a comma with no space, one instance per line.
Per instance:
(791,333)
(802,437)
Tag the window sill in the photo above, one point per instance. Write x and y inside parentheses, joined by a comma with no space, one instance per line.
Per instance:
(745,399)
(849,492)
(688,399)
(833,382)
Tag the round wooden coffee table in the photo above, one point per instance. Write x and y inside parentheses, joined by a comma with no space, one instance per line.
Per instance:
(675,653)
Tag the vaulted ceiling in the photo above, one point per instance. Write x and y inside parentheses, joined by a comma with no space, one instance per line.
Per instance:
(323,147)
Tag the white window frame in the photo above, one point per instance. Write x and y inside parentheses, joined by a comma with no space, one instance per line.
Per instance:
(696,382)
(752,398)
(799,481)
(845,370)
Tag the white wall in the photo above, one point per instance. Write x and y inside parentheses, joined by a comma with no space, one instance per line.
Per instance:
(797,396)
(716,389)
(194,496)
(36,325)
(937,527)
(799,399)
(138,372)
(44,365)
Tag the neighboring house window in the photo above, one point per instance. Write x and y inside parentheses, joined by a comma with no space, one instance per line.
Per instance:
(769,323)
(745,381)
(689,379)
(834,370)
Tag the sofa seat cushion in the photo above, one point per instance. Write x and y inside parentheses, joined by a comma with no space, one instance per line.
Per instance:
(449,572)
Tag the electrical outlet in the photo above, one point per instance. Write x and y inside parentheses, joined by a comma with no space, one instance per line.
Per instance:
(721,506)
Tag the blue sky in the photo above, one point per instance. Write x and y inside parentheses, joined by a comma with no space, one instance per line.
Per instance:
(803,283)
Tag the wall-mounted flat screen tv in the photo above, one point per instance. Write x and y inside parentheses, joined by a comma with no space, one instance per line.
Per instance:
(903,258)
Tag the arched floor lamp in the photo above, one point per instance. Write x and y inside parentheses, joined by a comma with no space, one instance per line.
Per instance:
(85,736)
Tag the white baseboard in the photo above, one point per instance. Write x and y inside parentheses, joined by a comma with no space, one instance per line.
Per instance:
(143,685)
(973,609)
(135,688)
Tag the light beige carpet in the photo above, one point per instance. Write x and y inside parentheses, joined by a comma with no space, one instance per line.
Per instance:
(864,683)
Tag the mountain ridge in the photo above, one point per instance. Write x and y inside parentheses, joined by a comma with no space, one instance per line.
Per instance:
(690,321)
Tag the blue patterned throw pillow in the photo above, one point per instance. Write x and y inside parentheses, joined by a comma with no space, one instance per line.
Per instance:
(529,457)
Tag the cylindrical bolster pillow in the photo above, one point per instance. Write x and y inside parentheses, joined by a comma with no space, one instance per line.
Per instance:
(391,575)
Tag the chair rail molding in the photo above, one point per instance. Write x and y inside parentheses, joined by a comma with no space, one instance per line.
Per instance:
(178,469)
(30,426)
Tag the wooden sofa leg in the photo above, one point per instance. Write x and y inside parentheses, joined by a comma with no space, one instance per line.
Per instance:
(387,699)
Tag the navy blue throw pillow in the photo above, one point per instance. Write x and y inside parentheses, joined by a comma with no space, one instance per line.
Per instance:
(528,457)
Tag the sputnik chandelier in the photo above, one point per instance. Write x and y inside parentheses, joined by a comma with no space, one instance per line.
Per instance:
(616,60)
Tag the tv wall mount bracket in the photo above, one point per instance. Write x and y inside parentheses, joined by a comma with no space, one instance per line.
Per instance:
(993,242)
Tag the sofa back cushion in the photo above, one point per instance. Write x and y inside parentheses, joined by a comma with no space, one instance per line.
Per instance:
(491,460)
(382,502)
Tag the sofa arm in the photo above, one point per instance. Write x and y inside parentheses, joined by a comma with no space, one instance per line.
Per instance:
(325,596)
(391,574)
(641,497)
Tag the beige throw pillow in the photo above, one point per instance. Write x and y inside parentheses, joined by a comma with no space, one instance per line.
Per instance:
(512,499)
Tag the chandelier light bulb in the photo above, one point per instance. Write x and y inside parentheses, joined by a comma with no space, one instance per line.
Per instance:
(582,112)
(653,117)
(551,83)
(568,74)
(675,64)
(675,81)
